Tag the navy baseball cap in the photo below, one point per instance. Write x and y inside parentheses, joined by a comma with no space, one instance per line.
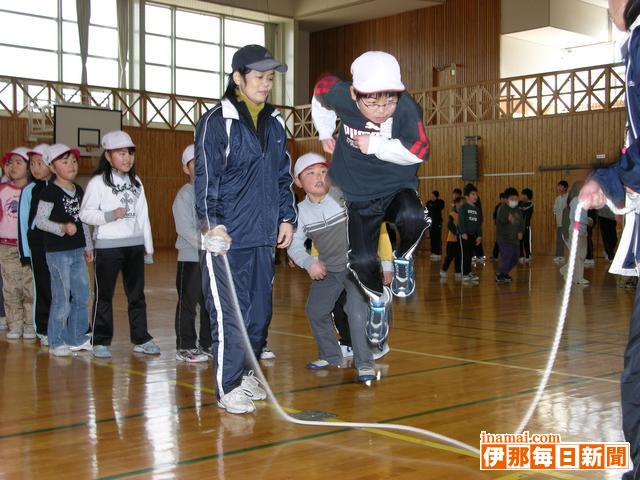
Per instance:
(256,57)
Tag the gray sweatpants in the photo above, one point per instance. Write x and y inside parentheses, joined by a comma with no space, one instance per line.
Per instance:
(322,298)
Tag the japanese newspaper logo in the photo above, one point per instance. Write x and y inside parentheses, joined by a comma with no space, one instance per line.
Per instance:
(527,451)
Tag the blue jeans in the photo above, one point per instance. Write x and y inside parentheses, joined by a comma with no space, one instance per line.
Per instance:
(68,317)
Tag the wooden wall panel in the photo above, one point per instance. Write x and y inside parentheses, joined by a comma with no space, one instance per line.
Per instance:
(465,32)
(518,146)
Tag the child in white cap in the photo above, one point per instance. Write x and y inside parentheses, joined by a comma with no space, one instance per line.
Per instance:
(67,243)
(381,144)
(115,204)
(190,347)
(31,241)
(16,278)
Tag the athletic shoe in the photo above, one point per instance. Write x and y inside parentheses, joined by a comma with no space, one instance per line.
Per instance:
(44,340)
(207,351)
(377,326)
(502,278)
(191,356)
(3,323)
(61,351)
(379,353)
(366,374)
(457,276)
(148,348)
(14,335)
(473,275)
(435,258)
(582,281)
(403,283)
(470,279)
(251,387)
(508,277)
(101,351)
(318,364)
(236,401)
(589,263)
(443,274)
(267,354)
(347,351)
(29,335)
(85,346)
(558,260)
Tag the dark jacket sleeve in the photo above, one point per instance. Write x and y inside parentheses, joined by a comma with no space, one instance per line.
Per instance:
(624,172)
(288,212)
(210,162)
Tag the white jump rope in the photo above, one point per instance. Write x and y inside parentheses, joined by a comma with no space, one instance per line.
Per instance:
(405,428)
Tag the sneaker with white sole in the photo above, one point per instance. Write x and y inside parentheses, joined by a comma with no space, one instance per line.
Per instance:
(267,354)
(101,351)
(14,335)
(44,340)
(148,348)
(403,283)
(377,325)
(347,351)
(378,353)
(443,274)
(208,351)
(86,346)
(61,351)
(582,281)
(29,335)
(470,279)
(318,364)
(366,374)
(237,402)
(251,386)
(191,356)
(435,257)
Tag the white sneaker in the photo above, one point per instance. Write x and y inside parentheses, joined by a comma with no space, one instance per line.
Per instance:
(29,336)
(251,387)
(589,263)
(236,401)
(85,346)
(378,354)
(558,260)
(61,351)
(347,351)
(148,348)
(44,340)
(435,258)
(443,274)
(191,356)
(267,354)
(582,281)
(15,335)
(470,279)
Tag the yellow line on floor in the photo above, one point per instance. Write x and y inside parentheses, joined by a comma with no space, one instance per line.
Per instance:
(470,360)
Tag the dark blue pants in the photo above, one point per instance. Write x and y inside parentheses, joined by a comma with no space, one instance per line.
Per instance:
(630,385)
(508,257)
(252,271)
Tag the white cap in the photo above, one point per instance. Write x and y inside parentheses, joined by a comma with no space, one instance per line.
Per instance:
(39,149)
(57,150)
(117,139)
(21,151)
(376,72)
(188,154)
(307,160)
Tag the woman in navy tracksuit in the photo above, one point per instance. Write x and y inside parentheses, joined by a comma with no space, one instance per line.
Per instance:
(621,183)
(245,205)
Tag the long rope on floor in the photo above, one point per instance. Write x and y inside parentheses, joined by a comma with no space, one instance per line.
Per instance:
(288,418)
(562,316)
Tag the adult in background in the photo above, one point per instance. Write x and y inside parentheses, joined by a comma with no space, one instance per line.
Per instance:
(620,182)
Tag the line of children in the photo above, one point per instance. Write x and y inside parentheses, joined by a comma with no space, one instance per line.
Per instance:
(67,244)
(16,277)
(115,205)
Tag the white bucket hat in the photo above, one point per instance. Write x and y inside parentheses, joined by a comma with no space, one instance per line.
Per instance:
(117,139)
(376,72)
(56,150)
(307,160)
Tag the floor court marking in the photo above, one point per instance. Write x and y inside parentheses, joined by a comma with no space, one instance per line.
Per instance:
(470,360)
(401,437)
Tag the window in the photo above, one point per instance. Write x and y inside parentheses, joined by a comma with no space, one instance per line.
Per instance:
(187,52)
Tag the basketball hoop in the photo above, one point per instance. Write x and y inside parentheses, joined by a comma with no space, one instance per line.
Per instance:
(91,149)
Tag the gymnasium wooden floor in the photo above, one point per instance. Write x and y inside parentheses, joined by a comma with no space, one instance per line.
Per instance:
(464,359)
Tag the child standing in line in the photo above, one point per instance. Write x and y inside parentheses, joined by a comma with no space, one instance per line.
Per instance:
(496,247)
(382,142)
(189,348)
(470,228)
(323,218)
(435,206)
(559,204)
(509,231)
(67,243)
(115,204)
(16,278)
(526,208)
(453,242)
(31,240)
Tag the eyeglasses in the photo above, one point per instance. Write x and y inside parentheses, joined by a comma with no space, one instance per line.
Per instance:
(377,106)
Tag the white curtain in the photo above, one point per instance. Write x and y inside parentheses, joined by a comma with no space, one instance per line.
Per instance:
(83,9)
(123,39)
